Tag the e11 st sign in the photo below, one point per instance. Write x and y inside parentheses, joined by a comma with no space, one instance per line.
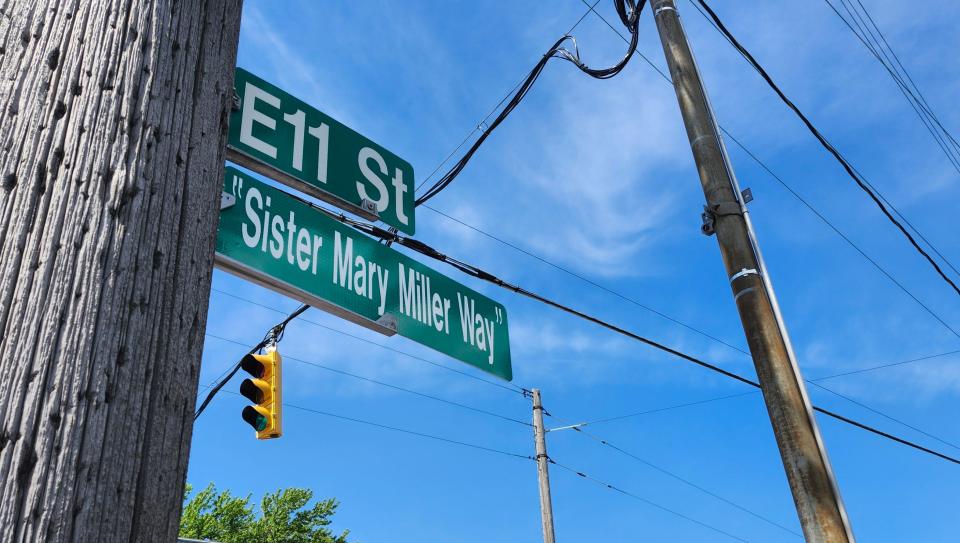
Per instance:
(281,137)
(279,241)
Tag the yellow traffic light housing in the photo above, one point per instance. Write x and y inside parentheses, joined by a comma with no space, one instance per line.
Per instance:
(264,391)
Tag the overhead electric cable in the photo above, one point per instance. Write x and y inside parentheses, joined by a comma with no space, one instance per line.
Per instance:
(885,366)
(864,185)
(645,500)
(813,382)
(345,373)
(871,37)
(590,282)
(855,170)
(606,443)
(479,273)
(882,414)
(794,193)
(402,430)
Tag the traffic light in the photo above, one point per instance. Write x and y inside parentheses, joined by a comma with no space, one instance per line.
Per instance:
(264,391)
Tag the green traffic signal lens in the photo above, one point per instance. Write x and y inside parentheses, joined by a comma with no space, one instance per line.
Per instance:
(253,418)
(251,391)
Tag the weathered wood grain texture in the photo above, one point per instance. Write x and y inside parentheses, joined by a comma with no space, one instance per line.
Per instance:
(112,127)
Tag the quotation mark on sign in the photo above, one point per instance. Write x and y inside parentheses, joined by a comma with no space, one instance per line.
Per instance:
(237,186)
(499,315)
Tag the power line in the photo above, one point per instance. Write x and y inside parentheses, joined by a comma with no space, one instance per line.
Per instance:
(814,382)
(855,170)
(795,194)
(673,475)
(588,281)
(882,414)
(479,273)
(871,37)
(383,384)
(644,500)
(843,236)
(885,366)
(401,430)
(861,182)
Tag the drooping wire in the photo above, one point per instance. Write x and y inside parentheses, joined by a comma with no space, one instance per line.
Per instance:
(861,182)
(647,501)
(630,17)
(345,373)
(273,335)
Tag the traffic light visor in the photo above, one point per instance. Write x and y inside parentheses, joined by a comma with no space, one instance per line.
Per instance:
(251,365)
(256,417)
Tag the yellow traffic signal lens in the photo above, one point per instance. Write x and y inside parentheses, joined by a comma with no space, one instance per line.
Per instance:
(256,390)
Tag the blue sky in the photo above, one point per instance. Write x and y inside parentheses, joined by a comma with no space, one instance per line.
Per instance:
(597,177)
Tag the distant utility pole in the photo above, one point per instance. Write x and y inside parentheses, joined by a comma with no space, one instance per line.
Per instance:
(543,475)
(112,130)
(814,488)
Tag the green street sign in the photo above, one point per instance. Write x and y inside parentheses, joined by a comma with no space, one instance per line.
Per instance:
(283,138)
(284,243)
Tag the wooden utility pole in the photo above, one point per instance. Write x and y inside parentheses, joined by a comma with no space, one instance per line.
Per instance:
(814,488)
(543,474)
(112,128)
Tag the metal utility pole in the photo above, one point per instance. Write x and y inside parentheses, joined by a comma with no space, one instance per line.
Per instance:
(112,130)
(814,488)
(543,475)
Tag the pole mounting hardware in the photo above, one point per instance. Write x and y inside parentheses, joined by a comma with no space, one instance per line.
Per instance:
(712,211)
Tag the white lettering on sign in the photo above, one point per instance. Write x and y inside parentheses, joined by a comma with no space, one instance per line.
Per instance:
(357,273)
(322,133)
(417,300)
(250,115)
(363,160)
(279,241)
(383,199)
(476,328)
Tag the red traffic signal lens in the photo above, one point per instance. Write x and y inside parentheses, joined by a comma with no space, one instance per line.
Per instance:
(251,365)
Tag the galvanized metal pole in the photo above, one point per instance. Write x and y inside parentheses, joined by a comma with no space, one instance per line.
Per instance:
(815,493)
(540,435)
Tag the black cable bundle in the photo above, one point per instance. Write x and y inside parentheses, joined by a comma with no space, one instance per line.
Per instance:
(629,12)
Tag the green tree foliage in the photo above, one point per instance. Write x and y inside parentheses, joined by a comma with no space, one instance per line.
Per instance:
(284,517)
